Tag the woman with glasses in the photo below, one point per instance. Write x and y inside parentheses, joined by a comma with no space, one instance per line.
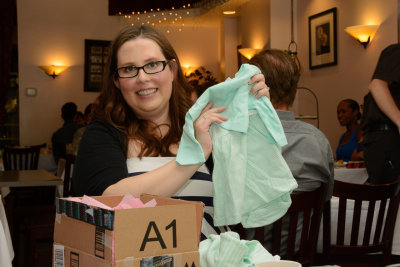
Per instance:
(138,119)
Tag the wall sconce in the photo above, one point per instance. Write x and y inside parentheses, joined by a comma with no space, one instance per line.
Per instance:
(248,52)
(187,70)
(362,33)
(53,70)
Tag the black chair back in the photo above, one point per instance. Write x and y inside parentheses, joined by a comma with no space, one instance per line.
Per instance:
(382,204)
(306,209)
(21,158)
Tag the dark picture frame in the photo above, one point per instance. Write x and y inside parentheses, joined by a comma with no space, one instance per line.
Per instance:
(96,53)
(322,37)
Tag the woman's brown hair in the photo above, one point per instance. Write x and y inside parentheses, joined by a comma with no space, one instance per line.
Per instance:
(111,106)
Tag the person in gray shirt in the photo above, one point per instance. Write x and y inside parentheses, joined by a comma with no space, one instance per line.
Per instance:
(308,152)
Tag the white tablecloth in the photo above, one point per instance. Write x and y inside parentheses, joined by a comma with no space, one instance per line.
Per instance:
(351,175)
(47,162)
(6,248)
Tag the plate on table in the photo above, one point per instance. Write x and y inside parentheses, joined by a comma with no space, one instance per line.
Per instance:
(355,164)
(340,164)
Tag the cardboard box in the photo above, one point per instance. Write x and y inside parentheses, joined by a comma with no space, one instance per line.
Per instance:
(69,257)
(171,228)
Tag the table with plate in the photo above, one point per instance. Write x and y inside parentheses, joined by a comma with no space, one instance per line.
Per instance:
(359,176)
(351,175)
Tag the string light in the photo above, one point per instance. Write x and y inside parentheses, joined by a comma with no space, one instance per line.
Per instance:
(170,16)
(155,16)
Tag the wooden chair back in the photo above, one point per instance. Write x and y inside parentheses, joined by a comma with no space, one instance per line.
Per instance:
(382,203)
(21,158)
(306,207)
(69,164)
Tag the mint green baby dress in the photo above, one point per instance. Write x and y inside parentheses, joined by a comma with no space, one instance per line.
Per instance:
(252,182)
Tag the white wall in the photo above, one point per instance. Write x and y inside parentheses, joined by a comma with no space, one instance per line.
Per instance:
(54,32)
(351,76)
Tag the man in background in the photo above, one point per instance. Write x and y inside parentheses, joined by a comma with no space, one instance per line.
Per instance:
(64,135)
(308,152)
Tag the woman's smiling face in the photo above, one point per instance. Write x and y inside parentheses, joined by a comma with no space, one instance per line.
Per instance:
(147,94)
(345,114)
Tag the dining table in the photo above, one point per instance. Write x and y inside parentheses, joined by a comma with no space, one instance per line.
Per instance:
(359,176)
(351,175)
(28,178)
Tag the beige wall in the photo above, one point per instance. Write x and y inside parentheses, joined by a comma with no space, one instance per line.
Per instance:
(254,24)
(52,32)
(55,30)
(280,27)
(351,76)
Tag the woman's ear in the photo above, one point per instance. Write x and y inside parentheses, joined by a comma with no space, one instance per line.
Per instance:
(174,67)
(116,82)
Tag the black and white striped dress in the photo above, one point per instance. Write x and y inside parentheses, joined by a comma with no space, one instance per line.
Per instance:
(198,188)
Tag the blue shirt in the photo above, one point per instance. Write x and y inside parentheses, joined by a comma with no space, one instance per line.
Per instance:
(344,152)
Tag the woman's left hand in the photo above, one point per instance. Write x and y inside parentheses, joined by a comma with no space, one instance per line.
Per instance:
(259,88)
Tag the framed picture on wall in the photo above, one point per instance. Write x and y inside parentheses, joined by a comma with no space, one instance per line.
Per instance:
(322,39)
(96,53)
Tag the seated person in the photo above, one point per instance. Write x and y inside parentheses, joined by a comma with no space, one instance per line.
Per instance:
(87,118)
(308,152)
(64,135)
(350,143)
(131,144)
(79,119)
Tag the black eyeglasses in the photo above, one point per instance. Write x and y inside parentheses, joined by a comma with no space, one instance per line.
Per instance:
(149,68)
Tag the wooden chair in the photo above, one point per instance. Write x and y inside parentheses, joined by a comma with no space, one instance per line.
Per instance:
(306,205)
(377,233)
(22,158)
(26,158)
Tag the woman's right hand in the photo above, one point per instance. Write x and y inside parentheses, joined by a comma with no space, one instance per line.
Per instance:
(202,126)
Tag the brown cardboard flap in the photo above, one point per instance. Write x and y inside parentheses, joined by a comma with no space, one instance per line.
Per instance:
(83,236)
(154,231)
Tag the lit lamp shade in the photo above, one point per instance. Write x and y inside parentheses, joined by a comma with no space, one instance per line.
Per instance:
(187,70)
(249,52)
(53,70)
(362,33)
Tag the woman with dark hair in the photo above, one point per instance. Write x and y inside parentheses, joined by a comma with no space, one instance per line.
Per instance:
(350,143)
(138,119)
